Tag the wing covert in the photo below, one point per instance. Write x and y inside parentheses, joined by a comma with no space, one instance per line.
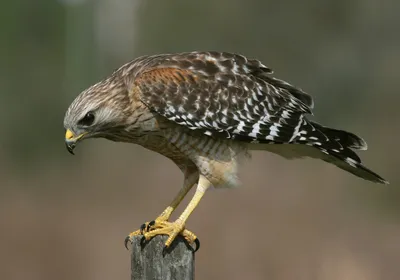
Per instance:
(224,94)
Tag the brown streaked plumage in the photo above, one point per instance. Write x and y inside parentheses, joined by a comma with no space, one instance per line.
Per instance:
(204,110)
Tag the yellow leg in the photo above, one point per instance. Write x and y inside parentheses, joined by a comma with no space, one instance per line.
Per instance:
(159,222)
(178,227)
(188,184)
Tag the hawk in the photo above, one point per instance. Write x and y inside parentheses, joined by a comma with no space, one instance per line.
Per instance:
(203,111)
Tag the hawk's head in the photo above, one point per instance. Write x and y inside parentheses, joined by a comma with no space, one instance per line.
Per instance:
(99,111)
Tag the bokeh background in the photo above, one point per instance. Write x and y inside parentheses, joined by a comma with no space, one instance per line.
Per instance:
(65,217)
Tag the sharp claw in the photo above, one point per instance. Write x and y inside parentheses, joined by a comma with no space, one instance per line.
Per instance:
(164,251)
(127,239)
(142,241)
(149,225)
(142,228)
(197,242)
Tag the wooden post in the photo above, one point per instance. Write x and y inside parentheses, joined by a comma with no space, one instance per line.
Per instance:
(149,261)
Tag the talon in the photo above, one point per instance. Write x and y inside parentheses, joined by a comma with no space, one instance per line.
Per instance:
(142,228)
(164,251)
(197,242)
(127,239)
(142,241)
(149,225)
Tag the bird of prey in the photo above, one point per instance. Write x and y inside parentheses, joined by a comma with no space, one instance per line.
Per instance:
(203,111)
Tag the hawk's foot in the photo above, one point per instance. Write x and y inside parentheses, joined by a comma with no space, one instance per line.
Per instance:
(146,227)
(172,230)
(158,227)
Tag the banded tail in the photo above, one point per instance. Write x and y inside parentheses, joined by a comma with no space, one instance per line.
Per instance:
(337,147)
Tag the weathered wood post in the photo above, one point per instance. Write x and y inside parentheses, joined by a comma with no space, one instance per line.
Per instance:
(149,261)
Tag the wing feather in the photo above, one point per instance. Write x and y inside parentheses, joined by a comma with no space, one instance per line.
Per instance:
(223,94)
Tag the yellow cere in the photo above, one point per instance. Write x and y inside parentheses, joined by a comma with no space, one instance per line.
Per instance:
(69,135)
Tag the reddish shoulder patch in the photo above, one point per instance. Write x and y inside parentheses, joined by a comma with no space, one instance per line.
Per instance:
(167,75)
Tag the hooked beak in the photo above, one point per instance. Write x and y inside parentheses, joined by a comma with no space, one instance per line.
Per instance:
(71,140)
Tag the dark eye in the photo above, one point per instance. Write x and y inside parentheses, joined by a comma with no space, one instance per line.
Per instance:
(87,120)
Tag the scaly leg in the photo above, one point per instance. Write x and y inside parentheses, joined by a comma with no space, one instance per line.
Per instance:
(190,180)
(178,227)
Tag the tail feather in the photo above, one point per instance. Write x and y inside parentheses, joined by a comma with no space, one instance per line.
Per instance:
(347,139)
(350,165)
(336,145)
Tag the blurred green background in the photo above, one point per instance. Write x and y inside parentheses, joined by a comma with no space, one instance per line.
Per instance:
(65,217)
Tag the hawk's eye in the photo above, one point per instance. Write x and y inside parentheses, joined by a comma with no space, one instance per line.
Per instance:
(87,120)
